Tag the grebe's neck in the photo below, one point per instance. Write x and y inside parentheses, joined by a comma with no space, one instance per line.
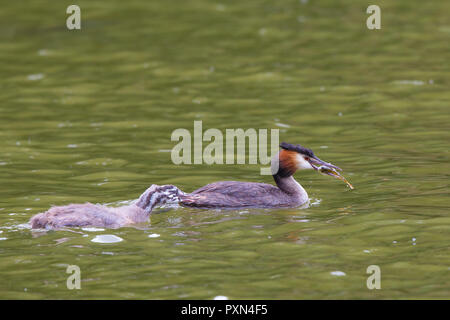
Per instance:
(283,168)
(157,195)
(290,186)
(147,201)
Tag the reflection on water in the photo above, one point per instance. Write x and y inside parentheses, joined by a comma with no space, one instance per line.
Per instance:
(87,116)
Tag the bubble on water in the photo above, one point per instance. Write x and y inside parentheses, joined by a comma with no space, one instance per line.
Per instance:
(412,82)
(43,52)
(34,77)
(92,229)
(154,235)
(3,239)
(64,124)
(301,19)
(282,125)
(220,298)
(107,238)
(337,273)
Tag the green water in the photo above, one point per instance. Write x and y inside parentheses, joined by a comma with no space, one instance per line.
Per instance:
(87,116)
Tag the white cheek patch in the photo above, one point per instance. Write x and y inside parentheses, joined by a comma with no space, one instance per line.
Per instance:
(302,163)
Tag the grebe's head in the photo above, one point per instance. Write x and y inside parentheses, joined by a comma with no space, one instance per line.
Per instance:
(295,157)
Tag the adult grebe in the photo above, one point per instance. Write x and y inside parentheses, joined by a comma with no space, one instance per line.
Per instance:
(287,193)
(224,194)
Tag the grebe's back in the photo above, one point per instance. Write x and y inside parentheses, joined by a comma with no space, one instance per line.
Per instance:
(236,194)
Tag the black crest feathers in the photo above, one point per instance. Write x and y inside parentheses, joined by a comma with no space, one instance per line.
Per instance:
(297,148)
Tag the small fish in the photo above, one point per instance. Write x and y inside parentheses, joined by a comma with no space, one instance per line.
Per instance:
(332,172)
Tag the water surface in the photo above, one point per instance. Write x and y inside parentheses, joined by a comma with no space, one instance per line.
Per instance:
(87,116)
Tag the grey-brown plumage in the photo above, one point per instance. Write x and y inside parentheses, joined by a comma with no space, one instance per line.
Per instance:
(81,215)
(235,194)
(88,214)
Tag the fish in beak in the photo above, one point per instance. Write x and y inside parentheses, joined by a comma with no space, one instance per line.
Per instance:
(329,169)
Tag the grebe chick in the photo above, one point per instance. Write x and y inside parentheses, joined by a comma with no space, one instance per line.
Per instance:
(88,214)
(224,194)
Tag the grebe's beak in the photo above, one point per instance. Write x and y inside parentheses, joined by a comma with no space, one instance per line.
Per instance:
(316,163)
(327,169)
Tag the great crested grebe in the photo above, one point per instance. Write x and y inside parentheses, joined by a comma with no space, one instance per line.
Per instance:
(224,194)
